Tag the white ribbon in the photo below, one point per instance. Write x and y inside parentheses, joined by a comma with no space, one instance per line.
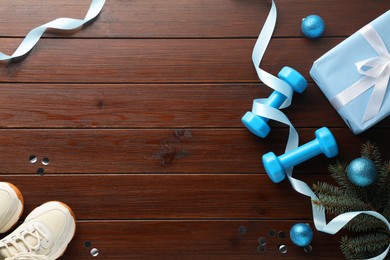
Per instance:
(257,55)
(260,109)
(61,24)
(376,73)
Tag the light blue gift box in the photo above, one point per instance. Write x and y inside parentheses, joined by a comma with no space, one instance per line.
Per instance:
(335,71)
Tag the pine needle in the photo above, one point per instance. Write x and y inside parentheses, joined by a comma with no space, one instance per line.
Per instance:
(341,204)
(365,223)
(323,188)
(370,151)
(346,197)
(364,245)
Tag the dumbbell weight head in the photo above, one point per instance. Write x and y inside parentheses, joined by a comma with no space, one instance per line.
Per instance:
(293,78)
(258,125)
(327,142)
(273,167)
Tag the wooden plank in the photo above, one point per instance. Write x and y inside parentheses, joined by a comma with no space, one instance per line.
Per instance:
(193,240)
(154,61)
(182,179)
(164,150)
(160,105)
(196,18)
(169,196)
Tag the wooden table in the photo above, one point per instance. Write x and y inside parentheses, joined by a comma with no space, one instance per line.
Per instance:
(139,114)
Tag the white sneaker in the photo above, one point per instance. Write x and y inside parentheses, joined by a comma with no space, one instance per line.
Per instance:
(44,235)
(11,206)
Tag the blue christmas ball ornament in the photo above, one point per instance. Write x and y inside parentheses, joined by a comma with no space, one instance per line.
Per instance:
(313,26)
(362,172)
(301,234)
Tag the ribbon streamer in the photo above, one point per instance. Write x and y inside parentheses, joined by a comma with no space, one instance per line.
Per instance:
(377,76)
(260,109)
(257,55)
(61,24)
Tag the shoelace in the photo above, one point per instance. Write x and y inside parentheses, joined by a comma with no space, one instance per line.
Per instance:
(26,255)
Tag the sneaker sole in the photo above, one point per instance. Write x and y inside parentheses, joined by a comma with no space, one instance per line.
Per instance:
(18,210)
(74,231)
(68,238)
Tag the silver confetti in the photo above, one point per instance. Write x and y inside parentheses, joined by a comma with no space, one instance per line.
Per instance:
(308,249)
(282,249)
(94,252)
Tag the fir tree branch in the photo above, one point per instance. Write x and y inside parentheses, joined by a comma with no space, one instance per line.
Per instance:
(323,188)
(370,151)
(367,223)
(386,212)
(348,250)
(366,245)
(347,197)
(339,174)
(341,204)
(383,190)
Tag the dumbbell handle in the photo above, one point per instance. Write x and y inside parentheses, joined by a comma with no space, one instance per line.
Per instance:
(275,100)
(259,125)
(300,154)
(276,166)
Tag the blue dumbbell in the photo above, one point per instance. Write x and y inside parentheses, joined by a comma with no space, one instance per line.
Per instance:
(324,143)
(258,125)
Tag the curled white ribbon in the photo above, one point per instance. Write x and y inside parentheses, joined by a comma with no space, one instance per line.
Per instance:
(257,55)
(61,24)
(260,109)
(376,76)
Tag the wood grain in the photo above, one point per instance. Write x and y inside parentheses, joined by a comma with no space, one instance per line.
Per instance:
(169,196)
(191,240)
(154,61)
(195,18)
(155,105)
(163,150)
(139,114)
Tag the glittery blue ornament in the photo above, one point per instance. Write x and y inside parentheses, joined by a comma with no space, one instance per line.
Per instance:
(313,26)
(362,172)
(301,234)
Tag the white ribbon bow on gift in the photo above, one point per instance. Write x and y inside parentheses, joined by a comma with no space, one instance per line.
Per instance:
(376,73)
